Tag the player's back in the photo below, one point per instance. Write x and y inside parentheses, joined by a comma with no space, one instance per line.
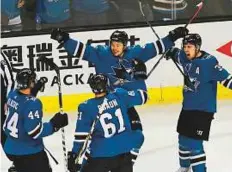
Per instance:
(112,134)
(18,141)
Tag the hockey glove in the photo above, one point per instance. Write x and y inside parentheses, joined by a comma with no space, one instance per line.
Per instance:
(39,86)
(139,69)
(72,167)
(59,36)
(177,33)
(59,121)
(170,53)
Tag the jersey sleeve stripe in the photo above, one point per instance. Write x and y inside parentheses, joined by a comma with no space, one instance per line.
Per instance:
(143,96)
(80,137)
(227,82)
(79,141)
(156,47)
(83,51)
(36,131)
(159,47)
(230,84)
(162,44)
(80,49)
(77,48)
(87,155)
(81,133)
(36,136)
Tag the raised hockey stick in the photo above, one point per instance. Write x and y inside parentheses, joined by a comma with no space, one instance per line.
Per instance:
(145,18)
(85,145)
(56,68)
(199,7)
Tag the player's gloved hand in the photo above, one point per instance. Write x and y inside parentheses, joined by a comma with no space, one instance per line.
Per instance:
(72,166)
(39,86)
(60,36)
(170,53)
(139,69)
(59,121)
(177,33)
(42,81)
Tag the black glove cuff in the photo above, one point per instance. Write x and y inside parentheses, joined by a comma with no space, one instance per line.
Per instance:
(72,155)
(55,129)
(172,36)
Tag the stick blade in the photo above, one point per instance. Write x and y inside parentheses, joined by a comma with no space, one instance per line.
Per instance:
(200,5)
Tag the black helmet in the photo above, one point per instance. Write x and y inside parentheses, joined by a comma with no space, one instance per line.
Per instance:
(194,39)
(24,78)
(119,36)
(98,83)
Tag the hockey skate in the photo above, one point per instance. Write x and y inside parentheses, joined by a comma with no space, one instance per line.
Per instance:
(184,169)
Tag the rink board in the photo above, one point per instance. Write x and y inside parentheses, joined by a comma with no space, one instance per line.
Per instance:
(165,95)
(164,84)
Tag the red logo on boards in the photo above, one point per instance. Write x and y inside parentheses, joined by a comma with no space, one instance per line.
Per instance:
(226,49)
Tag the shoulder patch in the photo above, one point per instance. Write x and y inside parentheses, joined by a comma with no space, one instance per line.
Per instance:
(218,67)
(131,93)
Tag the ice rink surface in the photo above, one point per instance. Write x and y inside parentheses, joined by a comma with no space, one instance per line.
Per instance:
(160,150)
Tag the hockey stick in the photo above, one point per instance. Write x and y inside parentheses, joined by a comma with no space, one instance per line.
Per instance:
(56,68)
(85,145)
(199,7)
(153,30)
(145,18)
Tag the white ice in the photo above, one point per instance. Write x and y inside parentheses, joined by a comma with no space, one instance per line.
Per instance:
(160,150)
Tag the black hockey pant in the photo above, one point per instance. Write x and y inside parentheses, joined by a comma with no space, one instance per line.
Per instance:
(31,163)
(120,163)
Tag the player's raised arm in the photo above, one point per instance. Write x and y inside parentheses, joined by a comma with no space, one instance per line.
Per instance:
(155,48)
(75,47)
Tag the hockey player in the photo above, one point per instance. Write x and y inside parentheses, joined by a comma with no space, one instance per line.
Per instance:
(24,127)
(122,64)
(199,104)
(112,137)
(7,85)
